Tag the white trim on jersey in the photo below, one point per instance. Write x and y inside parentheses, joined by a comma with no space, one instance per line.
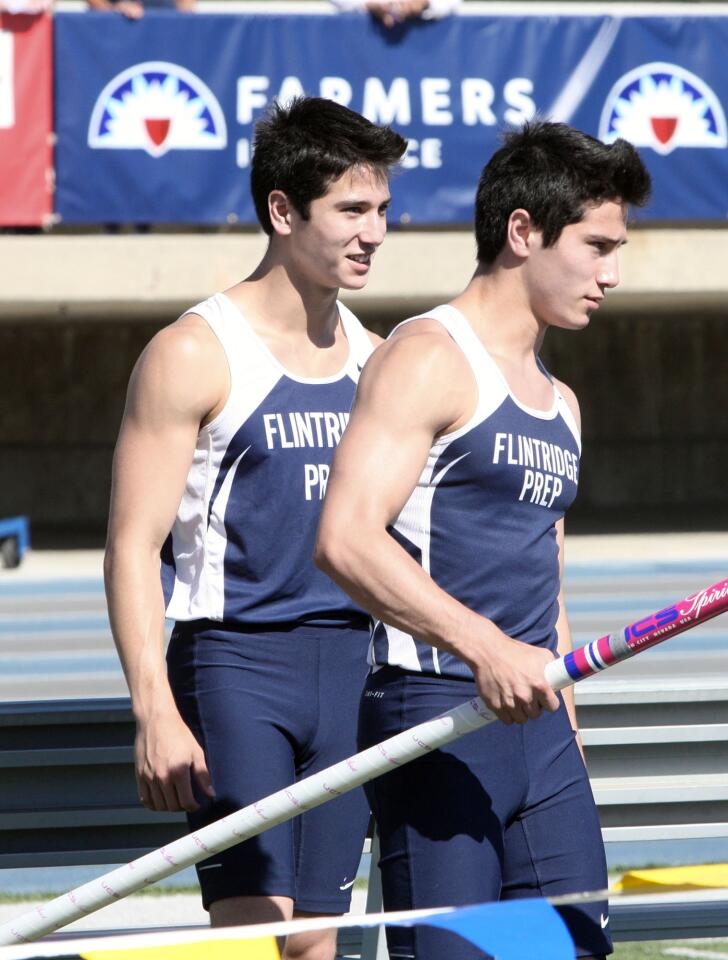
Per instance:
(215,543)
(199,538)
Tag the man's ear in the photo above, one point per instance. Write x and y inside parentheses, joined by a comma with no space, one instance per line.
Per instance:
(519,236)
(279,210)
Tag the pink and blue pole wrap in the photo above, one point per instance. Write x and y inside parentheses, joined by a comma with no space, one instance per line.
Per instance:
(638,636)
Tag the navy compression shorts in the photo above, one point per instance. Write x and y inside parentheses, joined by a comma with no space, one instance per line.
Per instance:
(269,709)
(502,813)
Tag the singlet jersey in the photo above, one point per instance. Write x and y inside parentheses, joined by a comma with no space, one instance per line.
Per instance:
(241,547)
(481,520)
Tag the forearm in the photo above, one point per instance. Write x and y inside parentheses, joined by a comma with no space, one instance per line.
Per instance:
(374,569)
(384,579)
(136,613)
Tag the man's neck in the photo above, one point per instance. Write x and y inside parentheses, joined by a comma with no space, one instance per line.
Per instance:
(276,298)
(496,305)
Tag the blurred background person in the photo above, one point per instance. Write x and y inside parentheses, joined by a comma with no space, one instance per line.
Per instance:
(134,9)
(392,12)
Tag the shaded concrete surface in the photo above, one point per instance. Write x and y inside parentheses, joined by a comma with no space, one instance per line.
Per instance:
(107,276)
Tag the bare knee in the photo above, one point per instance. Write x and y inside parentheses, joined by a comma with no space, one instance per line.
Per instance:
(239,911)
(312,945)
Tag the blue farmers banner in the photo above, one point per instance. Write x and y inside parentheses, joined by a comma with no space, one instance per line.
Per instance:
(155,117)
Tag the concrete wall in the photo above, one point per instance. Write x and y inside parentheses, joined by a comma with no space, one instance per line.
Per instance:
(103,277)
(651,370)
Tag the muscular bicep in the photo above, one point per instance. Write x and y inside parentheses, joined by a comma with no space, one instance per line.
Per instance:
(376,466)
(403,401)
(150,466)
(166,402)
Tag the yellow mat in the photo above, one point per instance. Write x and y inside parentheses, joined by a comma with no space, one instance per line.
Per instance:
(262,948)
(711,875)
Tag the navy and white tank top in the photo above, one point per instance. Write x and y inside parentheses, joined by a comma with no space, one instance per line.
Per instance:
(241,547)
(481,520)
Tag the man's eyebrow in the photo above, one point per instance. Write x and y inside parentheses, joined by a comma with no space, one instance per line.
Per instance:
(360,201)
(603,238)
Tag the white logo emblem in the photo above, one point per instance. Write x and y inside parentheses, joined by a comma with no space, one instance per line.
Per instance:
(345,885)
(603,920)
(157,106)
(663,106)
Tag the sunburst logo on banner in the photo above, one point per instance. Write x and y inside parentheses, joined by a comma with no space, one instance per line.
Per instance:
(157,107)
(663,106)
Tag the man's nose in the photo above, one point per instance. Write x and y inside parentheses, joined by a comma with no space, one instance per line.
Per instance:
(374,229)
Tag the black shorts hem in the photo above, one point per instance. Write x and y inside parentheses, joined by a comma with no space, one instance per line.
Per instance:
(212,896)
(334,907)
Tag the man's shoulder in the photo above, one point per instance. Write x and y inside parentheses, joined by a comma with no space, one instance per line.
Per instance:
(424,341)
(182,367)
(189,340)
(420,356)
(417,379)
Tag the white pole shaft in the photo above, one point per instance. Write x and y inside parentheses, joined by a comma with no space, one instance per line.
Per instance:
(247,822)
(350,773)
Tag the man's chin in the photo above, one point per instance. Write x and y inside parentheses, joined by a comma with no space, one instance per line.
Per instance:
(354,283)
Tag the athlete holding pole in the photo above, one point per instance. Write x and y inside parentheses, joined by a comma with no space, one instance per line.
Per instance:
(232,418)
(444,517)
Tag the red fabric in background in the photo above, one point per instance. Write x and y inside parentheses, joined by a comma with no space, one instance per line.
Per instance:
(26,155)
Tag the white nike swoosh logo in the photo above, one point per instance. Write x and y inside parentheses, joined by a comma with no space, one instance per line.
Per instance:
(603,920)
(345,886)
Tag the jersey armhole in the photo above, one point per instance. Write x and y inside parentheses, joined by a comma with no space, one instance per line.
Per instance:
(205,311)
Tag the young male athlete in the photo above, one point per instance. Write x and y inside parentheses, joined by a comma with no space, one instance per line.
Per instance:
(232,417)
(444,517)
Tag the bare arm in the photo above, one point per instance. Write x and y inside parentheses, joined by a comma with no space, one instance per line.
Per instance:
(563,630)
(168,398)
(415,386)
(563,634)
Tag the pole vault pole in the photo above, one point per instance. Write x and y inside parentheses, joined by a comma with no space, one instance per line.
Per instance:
(351,773)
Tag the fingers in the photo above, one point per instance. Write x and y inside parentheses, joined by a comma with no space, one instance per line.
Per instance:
(515,687)
(549,700)
(170,791)
(150,793)
(180,795)
(202,775)
(517,711)
(169,785)
(170,765)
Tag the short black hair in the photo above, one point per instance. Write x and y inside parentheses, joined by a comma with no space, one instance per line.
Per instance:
(303,146)
(554,172)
